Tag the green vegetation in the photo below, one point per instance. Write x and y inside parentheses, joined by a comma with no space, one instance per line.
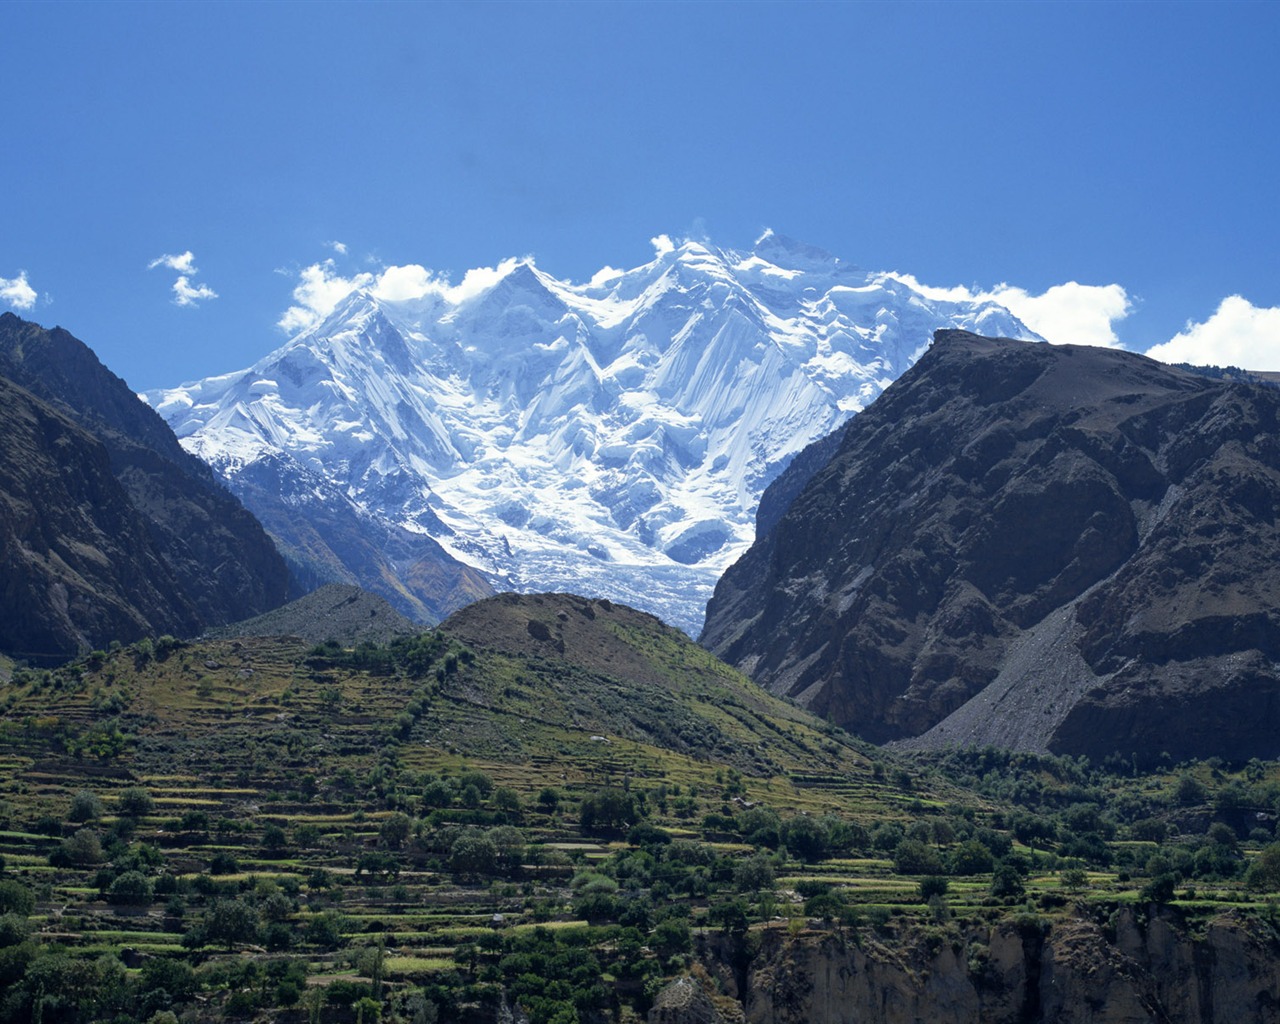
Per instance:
(234,830)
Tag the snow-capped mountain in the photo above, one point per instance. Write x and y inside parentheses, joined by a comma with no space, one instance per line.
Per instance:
(611,439)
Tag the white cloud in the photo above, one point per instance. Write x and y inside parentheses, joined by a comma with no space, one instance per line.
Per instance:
(1069,314)
(187,294)
(321,287)
(319,290)
(184,292)
(16,292)
(399,284)
(339,247)
(662,244)
(1238,334)
(603,276)
(184,263)
(1065,314)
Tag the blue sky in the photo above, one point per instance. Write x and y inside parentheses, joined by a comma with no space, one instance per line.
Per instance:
(1132,148)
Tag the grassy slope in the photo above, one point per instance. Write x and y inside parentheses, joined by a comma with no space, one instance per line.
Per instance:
(535,693)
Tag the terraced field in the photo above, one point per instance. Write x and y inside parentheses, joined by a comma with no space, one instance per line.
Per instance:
(264,829)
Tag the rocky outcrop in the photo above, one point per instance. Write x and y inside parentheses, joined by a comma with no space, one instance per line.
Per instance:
(685,1001)
(1137,968)
(1046,548)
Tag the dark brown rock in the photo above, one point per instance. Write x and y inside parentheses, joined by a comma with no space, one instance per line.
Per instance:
(212,556)
(1042,547)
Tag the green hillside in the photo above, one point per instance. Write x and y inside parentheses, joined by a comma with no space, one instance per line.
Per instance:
(549,800)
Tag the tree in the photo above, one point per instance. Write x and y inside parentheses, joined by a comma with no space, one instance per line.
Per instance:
(753,874)
(825,905)
(970,858)
(1006,882)
(1264,872)
(131,889)
(548,800)
(731,916)
(231,921)
(610,810)
(1159,889)
(135,802)
(85,806)
(394,832)
(472,854)
(671,937)
(934,885)
(807,838)
(82,849)
(16,898)
(325,929)
(367,1007)
(274,841)
(508,846)
(912,857)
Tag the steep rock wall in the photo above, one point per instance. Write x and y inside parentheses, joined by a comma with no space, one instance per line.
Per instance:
(1136,968)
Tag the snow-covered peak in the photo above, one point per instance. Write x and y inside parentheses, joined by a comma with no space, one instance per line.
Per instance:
(785,252)
(610,438)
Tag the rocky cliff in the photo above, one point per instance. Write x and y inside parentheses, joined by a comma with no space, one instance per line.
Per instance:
(1143,965)
(1047,548)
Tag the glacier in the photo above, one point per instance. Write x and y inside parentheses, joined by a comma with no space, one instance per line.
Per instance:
(611,438)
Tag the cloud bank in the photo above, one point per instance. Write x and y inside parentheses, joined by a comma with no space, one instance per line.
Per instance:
(1238,334)
(322,286)
(16,292)
(1065,314)
(185,293)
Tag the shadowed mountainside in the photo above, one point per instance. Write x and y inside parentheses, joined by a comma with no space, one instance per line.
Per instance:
(211,557)
(1040,547)
(78,564)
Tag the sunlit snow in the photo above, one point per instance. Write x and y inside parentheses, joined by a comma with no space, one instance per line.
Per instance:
(610,438)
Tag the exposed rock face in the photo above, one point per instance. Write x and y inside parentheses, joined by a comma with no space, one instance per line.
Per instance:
(78,563)
(1040,547)
(214,559)
(325,538)
(1078,972)
(684,1001)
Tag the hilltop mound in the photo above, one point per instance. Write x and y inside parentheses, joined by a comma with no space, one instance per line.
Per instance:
(1035,546)
(610,672)
(337,611)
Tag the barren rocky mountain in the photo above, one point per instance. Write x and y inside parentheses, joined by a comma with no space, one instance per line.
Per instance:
(78,564)
(147,527)
(1050,548)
